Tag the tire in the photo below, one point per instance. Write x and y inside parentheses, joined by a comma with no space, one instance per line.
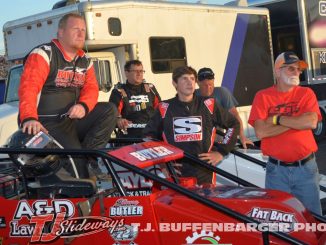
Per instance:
(320,130)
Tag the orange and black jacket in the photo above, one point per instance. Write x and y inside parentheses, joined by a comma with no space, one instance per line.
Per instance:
(191,126)
(51,83)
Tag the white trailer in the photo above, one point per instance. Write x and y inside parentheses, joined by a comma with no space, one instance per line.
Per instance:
(234,41)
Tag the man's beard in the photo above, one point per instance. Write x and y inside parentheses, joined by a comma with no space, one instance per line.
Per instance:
(291,80)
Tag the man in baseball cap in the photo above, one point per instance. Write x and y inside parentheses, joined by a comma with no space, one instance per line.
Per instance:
(283,117)
(288,58)
(222,95)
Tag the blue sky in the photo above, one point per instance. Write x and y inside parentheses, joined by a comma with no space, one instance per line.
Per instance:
(14,9)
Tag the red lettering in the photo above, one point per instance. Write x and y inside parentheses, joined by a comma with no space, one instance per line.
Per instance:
(39,225)
(56,227)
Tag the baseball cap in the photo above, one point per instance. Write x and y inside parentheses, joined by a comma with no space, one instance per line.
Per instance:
(288,58)
(205,73)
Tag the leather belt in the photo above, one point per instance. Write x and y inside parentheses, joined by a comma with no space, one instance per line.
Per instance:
(292,164)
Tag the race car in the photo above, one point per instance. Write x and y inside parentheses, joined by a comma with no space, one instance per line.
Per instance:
(47,207)
(246,163)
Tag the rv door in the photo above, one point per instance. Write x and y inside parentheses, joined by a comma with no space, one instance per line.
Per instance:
(107,72)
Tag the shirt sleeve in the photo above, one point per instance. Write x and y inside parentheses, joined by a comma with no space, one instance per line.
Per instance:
(226,120)
(311,103)
(258,110)
(157,97)
(89,93)
(227,99)
(35,73)
(116,99)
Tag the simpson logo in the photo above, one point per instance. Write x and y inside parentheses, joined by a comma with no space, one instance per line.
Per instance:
(124,207)
(322,8)
(273,216)
(151,153)
(187,129)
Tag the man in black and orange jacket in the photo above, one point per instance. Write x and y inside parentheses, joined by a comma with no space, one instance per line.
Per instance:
(58,93)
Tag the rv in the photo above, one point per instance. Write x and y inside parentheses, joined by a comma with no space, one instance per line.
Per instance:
(234,41)
(299,26)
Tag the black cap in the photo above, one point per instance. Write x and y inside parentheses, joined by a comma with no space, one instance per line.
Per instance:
(205,73)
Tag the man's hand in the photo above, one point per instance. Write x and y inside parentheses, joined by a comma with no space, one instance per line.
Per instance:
(244,141)
(33,127)
(123,123)
(212,157)
(76,112)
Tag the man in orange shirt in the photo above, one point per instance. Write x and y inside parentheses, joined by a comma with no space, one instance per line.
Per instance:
(283,117)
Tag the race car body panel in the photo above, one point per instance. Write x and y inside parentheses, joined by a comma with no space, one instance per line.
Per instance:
(174,212)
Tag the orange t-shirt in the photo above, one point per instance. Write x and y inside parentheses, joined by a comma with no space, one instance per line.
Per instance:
(293,144)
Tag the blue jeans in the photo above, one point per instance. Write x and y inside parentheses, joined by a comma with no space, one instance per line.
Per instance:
(301,181)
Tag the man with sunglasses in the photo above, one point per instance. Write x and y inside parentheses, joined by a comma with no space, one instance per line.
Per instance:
(135,100)
(283,117)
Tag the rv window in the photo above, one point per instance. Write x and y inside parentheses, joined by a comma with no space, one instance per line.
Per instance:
(167,53)
(13,84)
(103,74)
(319,62)
(114,25)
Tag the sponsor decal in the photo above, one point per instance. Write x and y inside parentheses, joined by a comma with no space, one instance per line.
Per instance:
(273,216)
(228,136)
(210,105)
(163,107)
(127,233)
(136,184)
(286,109)
(136,125)
(138,99)
(3,222)
(187,129)
(204,238)
(48,220)
(322,8)
(134,193)
(138,102)
(70,77)
(125,207)
(151,153)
